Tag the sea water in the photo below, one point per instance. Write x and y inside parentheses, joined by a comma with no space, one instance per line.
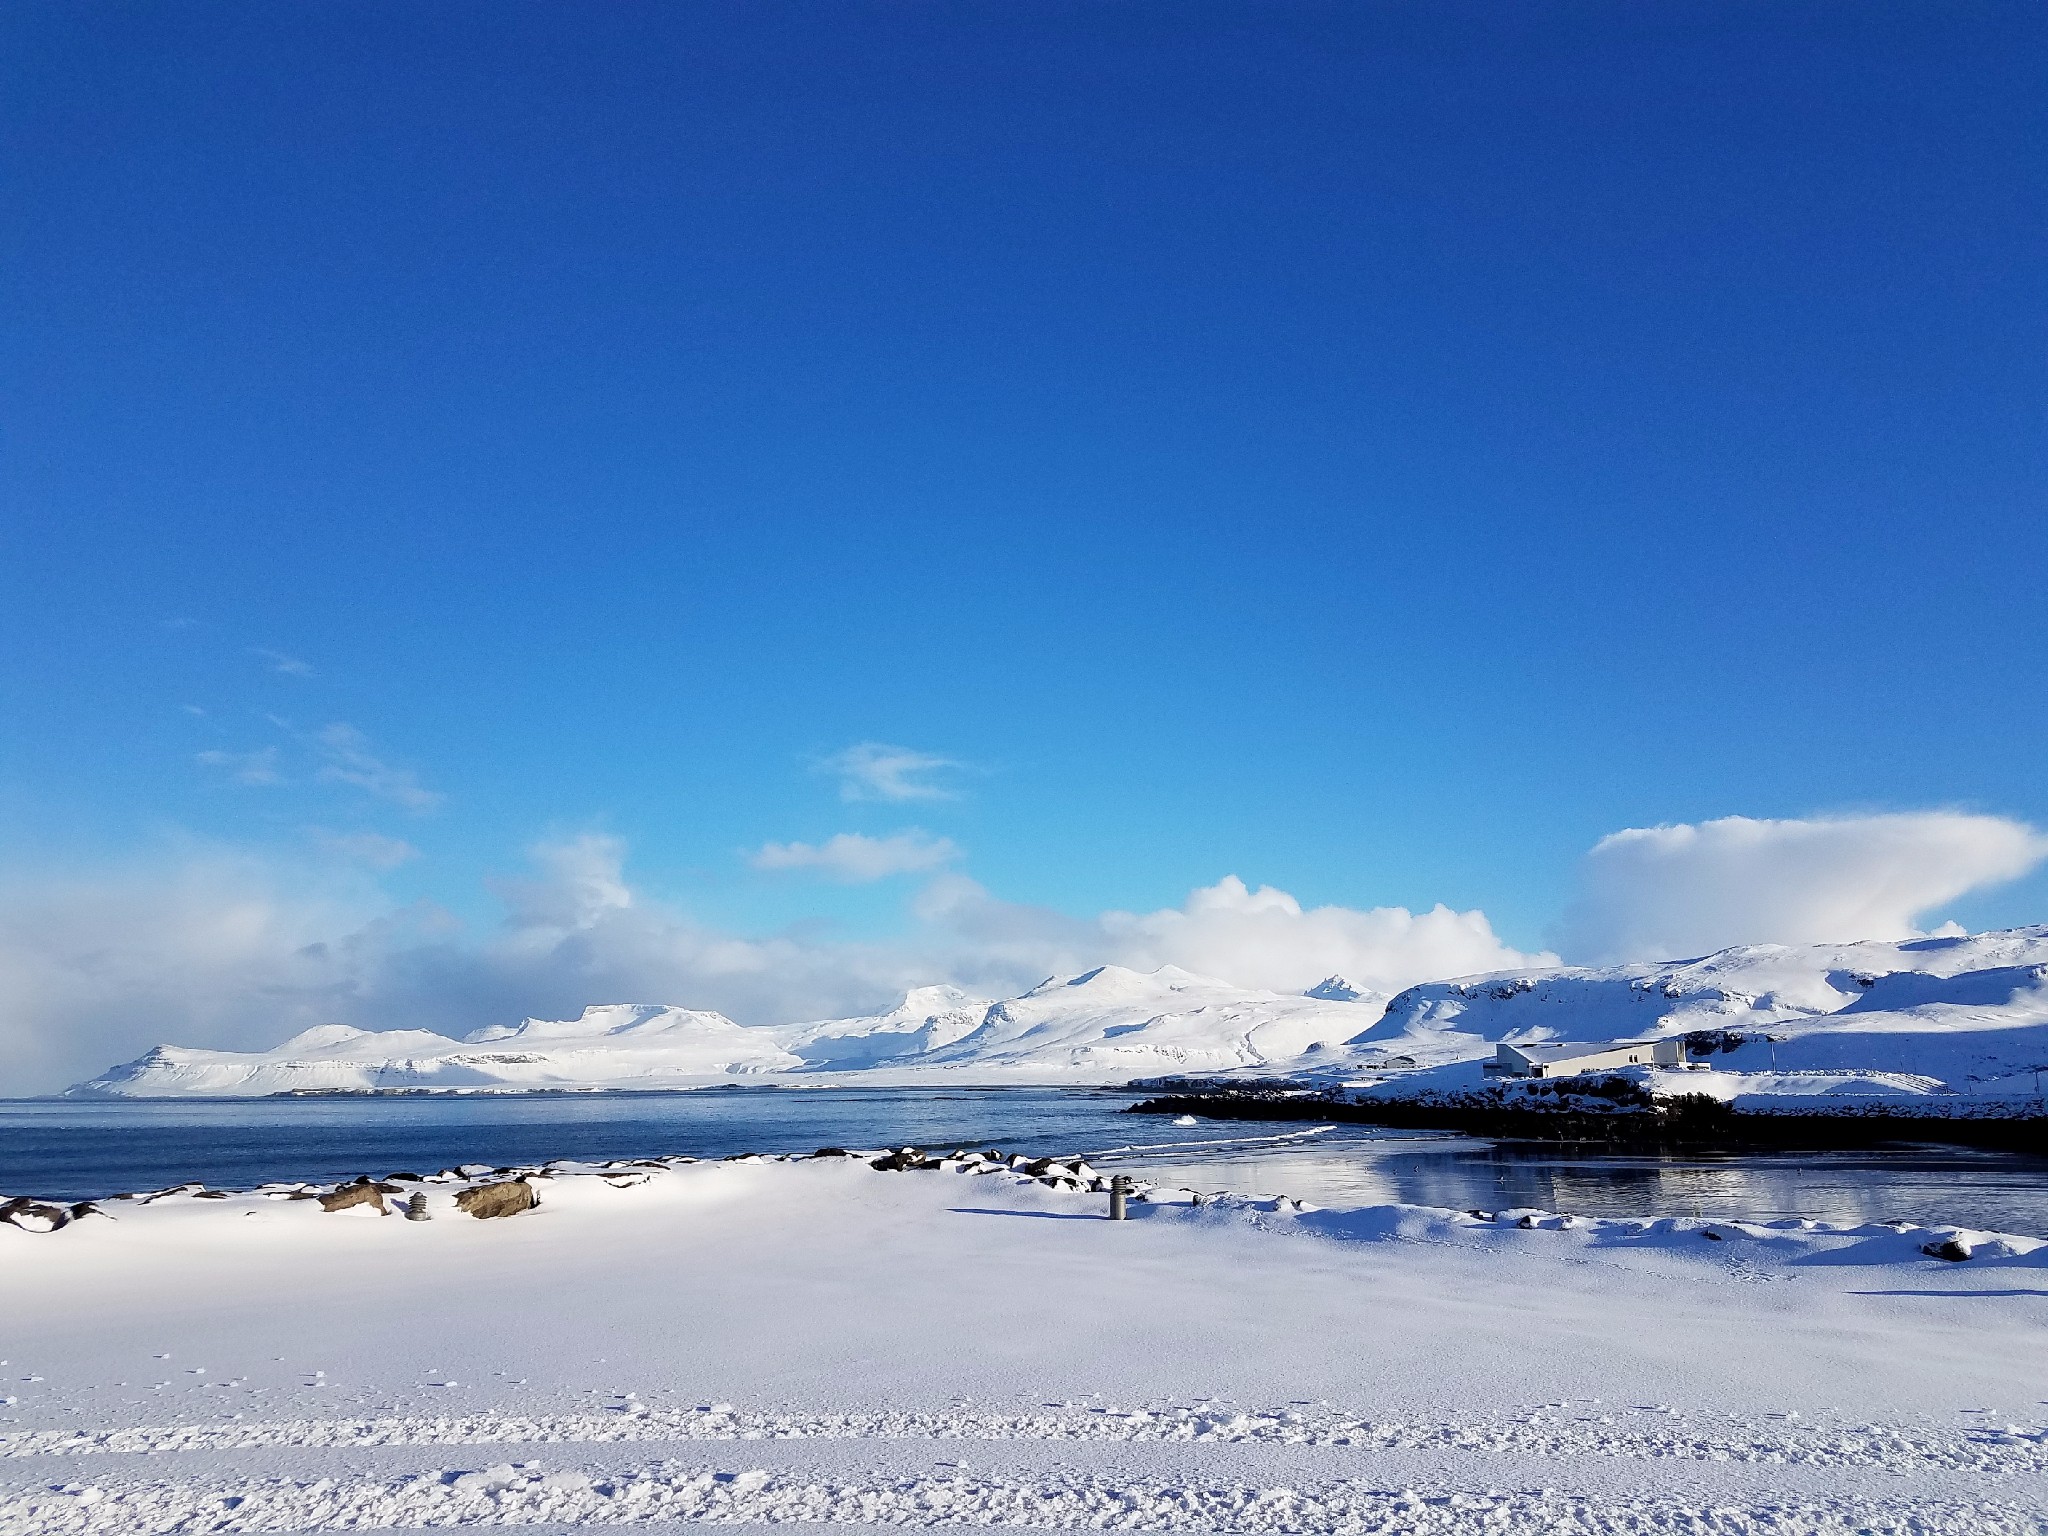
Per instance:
(79,1149)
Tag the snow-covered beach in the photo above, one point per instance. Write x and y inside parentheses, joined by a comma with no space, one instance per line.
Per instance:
(765,1341)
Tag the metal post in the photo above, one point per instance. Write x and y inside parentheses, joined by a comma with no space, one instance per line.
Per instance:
(416,1207)
(1119,1187)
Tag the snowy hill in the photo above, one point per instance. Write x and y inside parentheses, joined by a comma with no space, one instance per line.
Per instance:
(1111,1024)
(615,1046)
(1104,1026)
(927,1019)
(1965,1014)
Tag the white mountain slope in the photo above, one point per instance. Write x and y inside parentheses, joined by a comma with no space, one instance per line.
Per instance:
(1926,1016)
(1111,1024)
(926,1019)
(1963,1014)
(614,1046)
(1105,1026)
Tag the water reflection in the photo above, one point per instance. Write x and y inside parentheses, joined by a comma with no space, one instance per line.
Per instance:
(1347,1166)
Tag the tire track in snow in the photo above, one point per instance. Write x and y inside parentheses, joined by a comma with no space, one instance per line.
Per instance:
(2009,1450)
(507,1495)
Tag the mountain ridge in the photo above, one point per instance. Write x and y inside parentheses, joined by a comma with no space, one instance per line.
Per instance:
(1964,1009)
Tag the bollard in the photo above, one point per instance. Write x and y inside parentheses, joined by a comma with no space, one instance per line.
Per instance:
(1119,1188)
(416,1207)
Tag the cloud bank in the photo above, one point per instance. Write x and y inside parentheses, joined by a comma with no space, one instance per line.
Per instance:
(222,949)
(216,947)
(1661,893)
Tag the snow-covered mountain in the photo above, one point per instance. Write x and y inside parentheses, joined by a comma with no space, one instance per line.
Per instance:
(1104,1026)
(1111,1024)
(927,1019)
(615,1046)
(1968,1012)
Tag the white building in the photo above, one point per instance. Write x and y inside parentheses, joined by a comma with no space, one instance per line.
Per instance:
(1565,1058)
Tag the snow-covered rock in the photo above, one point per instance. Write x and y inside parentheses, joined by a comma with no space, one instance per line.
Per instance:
(1338,989)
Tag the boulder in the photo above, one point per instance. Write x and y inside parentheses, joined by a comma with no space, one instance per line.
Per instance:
(362,1192)
(506,1199)
(33,1215)
(904,1158)
(1954,1249)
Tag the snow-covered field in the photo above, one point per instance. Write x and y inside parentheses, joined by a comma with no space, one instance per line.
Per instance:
(757,1342)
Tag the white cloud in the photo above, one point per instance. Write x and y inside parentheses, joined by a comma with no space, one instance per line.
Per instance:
(259,767)
(206,946)
(581,882)
(1655,893)
(350,761)
(282,664)
(220,949)
(853,858)
(213,947)
(873,770)
(373,849)
(1265,938)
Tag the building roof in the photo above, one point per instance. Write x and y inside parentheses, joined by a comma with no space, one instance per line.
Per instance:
(1568,1050)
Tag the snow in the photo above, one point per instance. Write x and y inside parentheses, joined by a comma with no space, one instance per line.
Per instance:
(611,1046)
(1105,1025)
(1918,1020)
(765,1341)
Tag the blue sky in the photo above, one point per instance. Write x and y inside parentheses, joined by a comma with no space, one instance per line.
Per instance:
(1372,449)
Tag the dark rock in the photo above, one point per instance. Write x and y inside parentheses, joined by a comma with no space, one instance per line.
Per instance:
(348,1196)
(1954,1249)
(506,1199)
(34,1215)
(898,1162)
(831,1152)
